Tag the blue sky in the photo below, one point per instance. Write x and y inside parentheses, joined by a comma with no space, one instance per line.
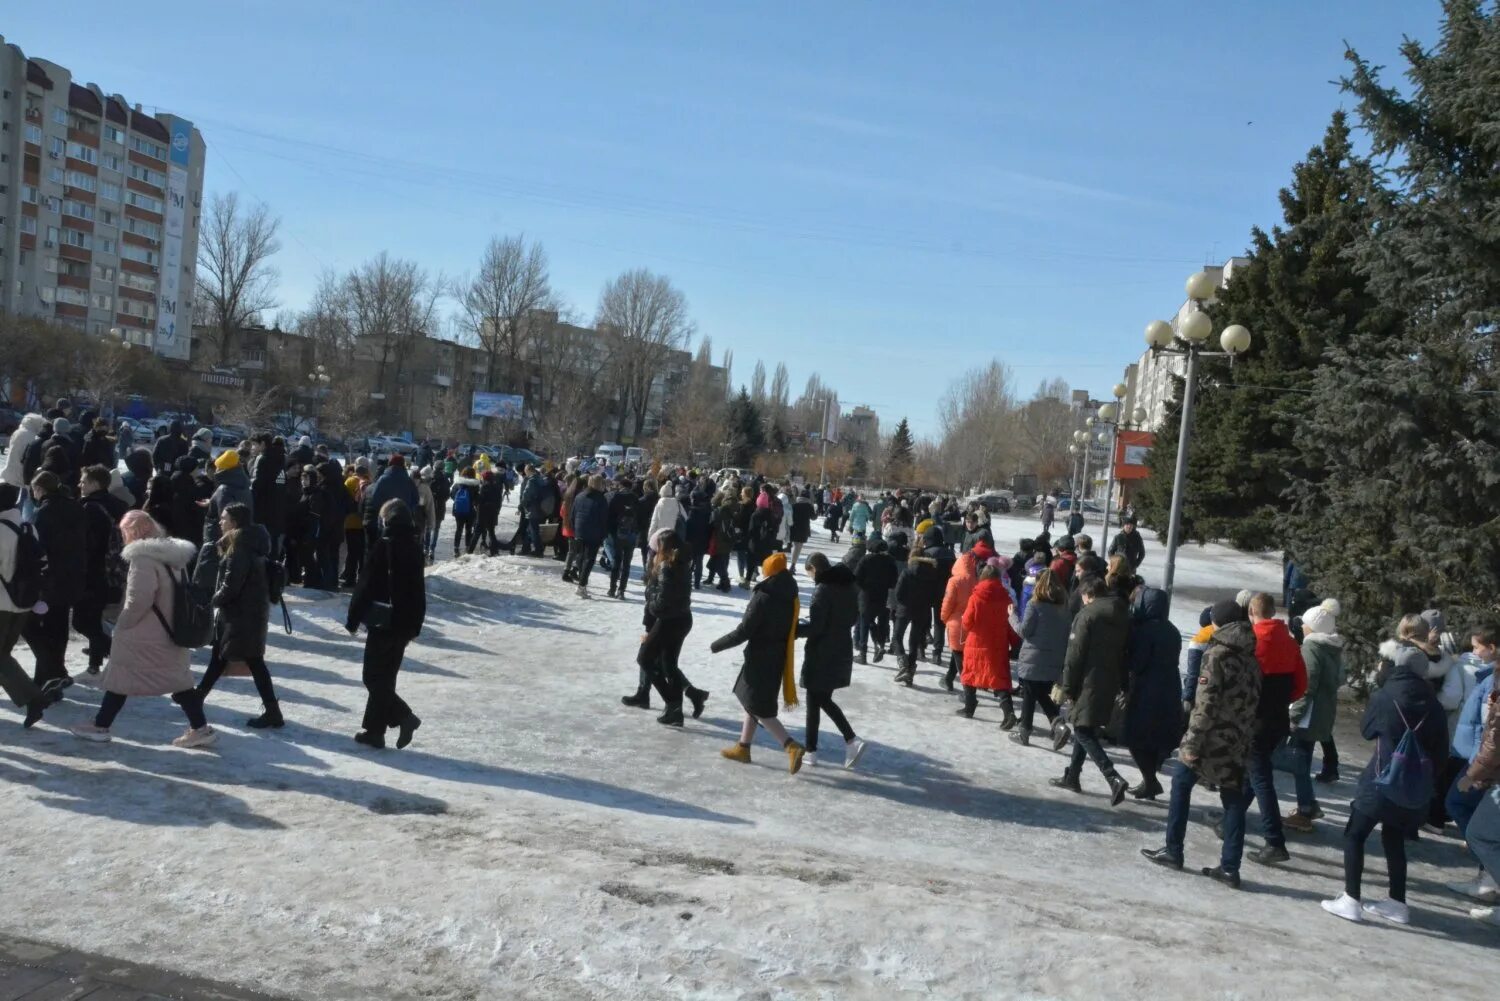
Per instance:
(884,193)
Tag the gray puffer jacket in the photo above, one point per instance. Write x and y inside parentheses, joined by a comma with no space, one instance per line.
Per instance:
(1044,630)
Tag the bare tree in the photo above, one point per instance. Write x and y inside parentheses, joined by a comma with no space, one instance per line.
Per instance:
(650,319)
(977,417)
(568,404)
(694,422)
(251,409)
(498,303)
(758,385)
(1045,427)
(780,395)
(236,282)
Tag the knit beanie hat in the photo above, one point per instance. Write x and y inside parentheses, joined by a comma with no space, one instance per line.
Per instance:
(1434,619)
(1243,598)
(1322,619)
(1226,612)
(227,460)
(203,434)
(774,564)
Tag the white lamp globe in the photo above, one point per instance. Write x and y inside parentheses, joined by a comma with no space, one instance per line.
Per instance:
(1109,411)
(1090,421)
(1201,285)
(1120,390)
(1235,339)
(1158,333)
(1195,328)
(1140,415)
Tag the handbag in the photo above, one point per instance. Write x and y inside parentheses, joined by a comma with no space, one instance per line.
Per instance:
(380,614)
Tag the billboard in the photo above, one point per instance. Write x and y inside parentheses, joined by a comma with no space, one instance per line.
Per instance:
(170,341)
(1132,453)
(831,421)
(502,406)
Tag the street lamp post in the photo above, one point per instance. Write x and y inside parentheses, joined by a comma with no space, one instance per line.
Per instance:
(1188,340)
(319,379)
(1111,419)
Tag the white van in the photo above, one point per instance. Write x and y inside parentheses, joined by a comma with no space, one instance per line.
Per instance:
(610,453)
(638,456)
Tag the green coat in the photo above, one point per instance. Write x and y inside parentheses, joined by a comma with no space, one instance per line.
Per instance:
(1312,715)
(1094,668)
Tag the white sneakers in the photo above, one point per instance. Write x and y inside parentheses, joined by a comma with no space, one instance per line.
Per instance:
(88,731)
(853,751)
(1392,910)
(1482,889)
(201,737)
(1345,907)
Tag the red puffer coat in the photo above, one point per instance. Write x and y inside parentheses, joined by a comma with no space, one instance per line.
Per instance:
(988,637)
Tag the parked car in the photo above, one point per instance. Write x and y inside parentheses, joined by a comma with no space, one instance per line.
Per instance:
(1089,507)
(520,456)
(1025,503)
(993,503)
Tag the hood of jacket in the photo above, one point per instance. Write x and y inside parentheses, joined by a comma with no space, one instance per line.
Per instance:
(1150,605)
(1238,636)
(933,538)
(255,539)
(232,478)
(465,481)
(33,423)
(1406,657)
(174,553)
(838,574)
(1327,639)
(138,461)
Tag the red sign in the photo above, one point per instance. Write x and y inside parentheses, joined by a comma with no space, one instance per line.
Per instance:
(1132,452)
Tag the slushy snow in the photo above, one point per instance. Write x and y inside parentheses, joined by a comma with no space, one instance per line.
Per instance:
(538,840)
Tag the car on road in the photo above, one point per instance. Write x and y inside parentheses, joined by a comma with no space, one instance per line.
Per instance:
(1089,507)
(518,457)
(993,503)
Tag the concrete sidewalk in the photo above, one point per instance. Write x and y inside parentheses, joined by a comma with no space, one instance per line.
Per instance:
(34,971)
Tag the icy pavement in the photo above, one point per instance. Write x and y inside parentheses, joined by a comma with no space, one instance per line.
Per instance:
(540,841)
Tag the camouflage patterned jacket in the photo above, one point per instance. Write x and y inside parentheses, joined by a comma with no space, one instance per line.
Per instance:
(1224,713)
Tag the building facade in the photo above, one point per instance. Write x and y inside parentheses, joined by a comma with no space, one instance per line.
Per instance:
(99,206)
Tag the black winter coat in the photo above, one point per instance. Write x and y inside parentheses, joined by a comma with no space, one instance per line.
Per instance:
(268,488)
(918,587)
(393,573)
(98,450)
(1094,669)
(763,528)
(440,487)
(1131,546)
(242,599)
(828,660)
(187,516)
(395,484)
(1153,715)
(700,518)
(1405,692)
(802,516)
(102,512)
(876,574)
(770,617)
(168,449)
(488,501)
(158,501)
(624,520)
(231,486)
(59,525)
(726,517)
(943,558)
(669,592)
(590,516)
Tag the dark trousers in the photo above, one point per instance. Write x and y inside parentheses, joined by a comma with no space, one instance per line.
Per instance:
(18,687)
(47,635)
(88,621)
(354,560)
(190,701)
(1033,694)
(697,557)
(742,561)
(718,566)
(619,574)
(1149,760)
(1330,755)
(463,533)
(1086,743)
(1235,803)
(938,632)
(898,634)
(384,709)
(434,532)
(484,535)
(1302,755)
(583,561)
(818,703)
(258,672)
(880,625)
(1392,841)
(1262,780)
(1446,773)
(657,659)
(328,560)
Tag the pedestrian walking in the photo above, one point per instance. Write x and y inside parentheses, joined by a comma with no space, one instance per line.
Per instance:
(989,636)
(390,601)
(242,609)
(1312,716)
(1153,709)
(668,618)
(1044,634)
(1093,676)
(828,657)
(15,608)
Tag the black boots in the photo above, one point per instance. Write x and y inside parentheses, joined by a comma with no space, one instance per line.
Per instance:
(860,658)
(268,720)
(952,673)
(1022,737)
(697,697)
(1117,788)
(1163,857)
(672,716)
(1009,708)
(1067,781)
(637,701)
(34,710)
(1149,788)
(370,739)
(408,727)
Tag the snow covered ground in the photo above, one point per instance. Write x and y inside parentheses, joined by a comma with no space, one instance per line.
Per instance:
(540,841)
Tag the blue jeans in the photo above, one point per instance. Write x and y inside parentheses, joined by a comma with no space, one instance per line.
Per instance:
(1302,756)
(742,560)
(534,533)
(862,632)
(1264,785)
(1235,802)
(1484,831)
(1462,806)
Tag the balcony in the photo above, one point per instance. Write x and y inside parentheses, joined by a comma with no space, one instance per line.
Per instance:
(444,379)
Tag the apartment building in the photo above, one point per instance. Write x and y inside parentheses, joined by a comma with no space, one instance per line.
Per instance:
(99,205)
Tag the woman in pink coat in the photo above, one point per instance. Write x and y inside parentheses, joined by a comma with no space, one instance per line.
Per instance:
(143,659)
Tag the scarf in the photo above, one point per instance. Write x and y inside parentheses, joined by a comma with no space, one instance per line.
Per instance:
(773,565)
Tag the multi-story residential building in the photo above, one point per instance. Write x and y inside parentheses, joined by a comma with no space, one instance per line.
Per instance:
(99,206)
(1151,380)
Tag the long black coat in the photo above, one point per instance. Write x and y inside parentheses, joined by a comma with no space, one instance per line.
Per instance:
(1406,692)
(875,576)
(590,516)
(828,660)
(1094,669)
(268,488)
(59,525)
(802,516)
(770,617)
(242,600)
(393,573)
(1153,715)
(918,588)
(669,592)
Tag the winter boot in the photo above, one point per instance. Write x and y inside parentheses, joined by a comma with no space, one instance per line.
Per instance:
(1067,781)
(697,697)
(952,673)
(1009,708)
(1163,857)
(1149,788)
(737,752)
(860,658)
(1298,821)
(639,700)
(1021,736)
(794,755)
(1270,855)
(671,717)
(34,710)
(1221,875)
(1117,788)
(1061,734)
(268,720)
(408,727)
(879,652)
(371,739)
(1327,776)
(611,590)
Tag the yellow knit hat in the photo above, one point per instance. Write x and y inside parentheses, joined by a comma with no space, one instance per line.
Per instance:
(228,459)
(773,564)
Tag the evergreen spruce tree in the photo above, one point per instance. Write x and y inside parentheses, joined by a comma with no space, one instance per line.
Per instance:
(899,458)
(746,436)
(1299,296)
(1405,425)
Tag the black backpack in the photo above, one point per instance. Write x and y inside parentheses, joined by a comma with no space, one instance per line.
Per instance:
(25,584)
(625,529)
(192,624)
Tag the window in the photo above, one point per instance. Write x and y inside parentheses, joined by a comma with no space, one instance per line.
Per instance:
(33,133)
(111,162)
(28,193)
(51,265)
(73,269)
(141,227)
(113,134)
(46,293)
(141,201)
(56,146)
(104,245)
(55,175)
(78,210)
(148,147)
(103,273)
(100,300)
(60,116)
(77,238)
(52,235)
(72,296)
(145,310)
(28,224)
(79,151)
(76,121)
(109,218)
(78,179)
(131,252)
(141,283)
(110,192)
(146,174)
(51,203)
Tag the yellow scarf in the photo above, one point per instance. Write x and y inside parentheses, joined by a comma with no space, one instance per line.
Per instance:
(773,565)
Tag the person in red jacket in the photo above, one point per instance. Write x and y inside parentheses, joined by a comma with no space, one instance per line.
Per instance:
(1065,562)
(1283,680)
(989,634)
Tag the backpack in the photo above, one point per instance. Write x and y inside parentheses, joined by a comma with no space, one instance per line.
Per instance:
(625,528)
(25,584)
(275,580)
(192,624)
(115,569)
(1407,778)
(463,503)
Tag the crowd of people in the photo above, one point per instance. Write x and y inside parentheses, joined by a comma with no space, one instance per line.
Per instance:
(187,549)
